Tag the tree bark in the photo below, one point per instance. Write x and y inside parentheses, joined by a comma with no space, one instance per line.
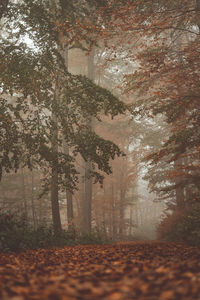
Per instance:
(198,6)
(69,199)
(33,202)
(24,197)
(198,14)
(3,7)
(121,212)
(180,197)
(54,175)
(113,204)
(87,206)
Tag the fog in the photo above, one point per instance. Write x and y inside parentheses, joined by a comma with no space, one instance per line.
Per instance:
(99,118)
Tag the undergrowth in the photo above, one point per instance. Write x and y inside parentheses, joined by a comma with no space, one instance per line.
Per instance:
(182,226)
(17,234)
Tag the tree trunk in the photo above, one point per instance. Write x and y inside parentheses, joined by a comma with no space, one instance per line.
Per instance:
(24,197)
(33,201)
(70,214)
(54,177)
(130,221)
(180,197)
(54,145)
(113,204)
(198,6)
(121,212)
(69,200)
(3,7)
(87,205)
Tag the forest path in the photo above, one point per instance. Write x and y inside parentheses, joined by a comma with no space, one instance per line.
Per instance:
(137,270)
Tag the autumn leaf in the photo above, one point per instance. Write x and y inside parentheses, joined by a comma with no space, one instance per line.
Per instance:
(137,270)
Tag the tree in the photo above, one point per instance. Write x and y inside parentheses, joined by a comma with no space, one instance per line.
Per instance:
(46,94)
(177,61)
(165,81)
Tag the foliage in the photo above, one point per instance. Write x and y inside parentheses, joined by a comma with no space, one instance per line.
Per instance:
(183,227)
(166,81)
(16,234)
(35,86)
(167,229)
(97,236)
(12,232)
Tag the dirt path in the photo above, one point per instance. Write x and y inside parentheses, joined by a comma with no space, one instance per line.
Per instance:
(138,270)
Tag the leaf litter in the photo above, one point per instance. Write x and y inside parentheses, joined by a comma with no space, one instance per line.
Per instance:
(124,271)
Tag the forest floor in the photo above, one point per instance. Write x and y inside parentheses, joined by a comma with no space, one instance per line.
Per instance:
(136,270)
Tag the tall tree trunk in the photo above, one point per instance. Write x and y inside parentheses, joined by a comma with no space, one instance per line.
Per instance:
(63,51)
(87,206)
(55,6)
(69,202)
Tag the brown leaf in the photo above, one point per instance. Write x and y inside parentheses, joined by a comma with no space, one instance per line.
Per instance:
(167,295)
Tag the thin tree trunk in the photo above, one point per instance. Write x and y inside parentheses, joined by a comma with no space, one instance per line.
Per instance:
(104,215)
(114,228)
(33,201)
(82,214)
(137,215)
(130,221)
(121,212)
(87,207)
(54,176)
(180,197)
(198,6)
(25,208)
(70,213)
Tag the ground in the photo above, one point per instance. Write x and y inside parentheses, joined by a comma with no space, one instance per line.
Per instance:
(137,270)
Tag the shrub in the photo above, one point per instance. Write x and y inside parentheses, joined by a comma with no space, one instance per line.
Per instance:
(12,229)
(97,236)
(167,229)
(182,227)
(189,227)
(16,234)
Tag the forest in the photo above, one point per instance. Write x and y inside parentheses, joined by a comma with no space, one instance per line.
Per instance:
(100,149)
